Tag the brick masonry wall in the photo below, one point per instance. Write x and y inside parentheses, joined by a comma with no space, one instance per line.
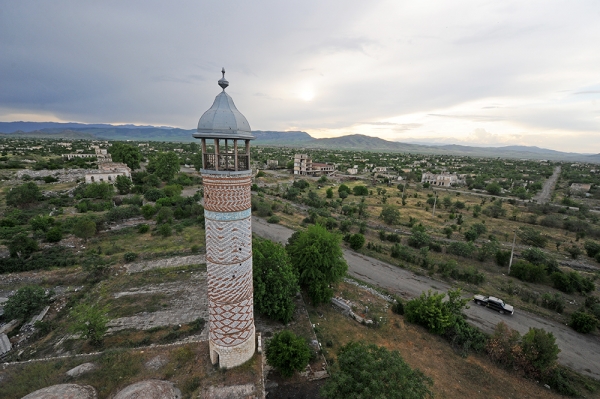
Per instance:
(229,268)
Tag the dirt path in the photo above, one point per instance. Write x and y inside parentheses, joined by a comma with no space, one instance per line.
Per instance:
(579,352)
(543,196)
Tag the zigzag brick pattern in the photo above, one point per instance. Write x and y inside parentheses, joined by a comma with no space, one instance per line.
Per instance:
(228,241)
(226,194)
(229,267)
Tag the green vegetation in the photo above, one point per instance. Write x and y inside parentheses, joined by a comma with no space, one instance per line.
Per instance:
(275,280)
(317,256)
(370,371)
(25,302)
(90,322)
(287,353)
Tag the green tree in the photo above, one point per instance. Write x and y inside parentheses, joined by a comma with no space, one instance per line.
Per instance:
(41,223)
(84,228)
(25,302)
(431,311)
(275,280)
(24,195)
(360,190)
(390,215)
(127,154)
(164,165)
(345,188)
(370,371)
(89,321)
(317,256)
(531,236)
(356,241)
(99,190)
(583,322)
(123,184)
(493,188)
(287,353)
(22,246)
(540,348)
(54,234)
(329,193)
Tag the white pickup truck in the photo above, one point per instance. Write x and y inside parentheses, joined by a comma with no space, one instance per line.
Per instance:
(494,303)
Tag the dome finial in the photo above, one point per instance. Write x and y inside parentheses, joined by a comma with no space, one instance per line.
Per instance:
(222,82)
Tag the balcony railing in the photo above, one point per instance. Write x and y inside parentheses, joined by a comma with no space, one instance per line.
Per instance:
(226,162)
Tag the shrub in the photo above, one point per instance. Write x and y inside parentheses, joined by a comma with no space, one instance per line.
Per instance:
(390,215)
(263,209)
(540,348)
(553,302)
(432,312)
(403,253)
(24,195)
(448,269)
(287,353)
(130,256)
(154,194)
(165,230)
(574,251)
(356,241)
(54,234)
(527,271)
(463,249)
(592,248)
(164,215)
(273,219)
(22,246)
(419,239)
(533,237)
(370,371)
(360,190)
(583,322)
(122,213)
(502,258)
(143,228)
(25,302)
(571,282)
(398,306)
(464,337)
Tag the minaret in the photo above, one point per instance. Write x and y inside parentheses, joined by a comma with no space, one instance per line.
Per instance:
(226,176)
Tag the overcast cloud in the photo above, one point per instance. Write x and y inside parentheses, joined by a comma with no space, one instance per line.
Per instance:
(470,72)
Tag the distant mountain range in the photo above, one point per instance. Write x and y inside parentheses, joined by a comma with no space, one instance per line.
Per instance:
(52,130)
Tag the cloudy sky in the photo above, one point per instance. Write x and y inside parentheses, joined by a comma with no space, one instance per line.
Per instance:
(467,72)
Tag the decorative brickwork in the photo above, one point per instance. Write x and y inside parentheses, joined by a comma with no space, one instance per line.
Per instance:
(229,267)
(226,194)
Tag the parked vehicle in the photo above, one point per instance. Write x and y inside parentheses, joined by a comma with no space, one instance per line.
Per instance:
(494,303)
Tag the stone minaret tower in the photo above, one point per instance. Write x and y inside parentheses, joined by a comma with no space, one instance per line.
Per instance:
(226,175)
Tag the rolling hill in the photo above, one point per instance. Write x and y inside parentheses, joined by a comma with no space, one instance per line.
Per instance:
(299,139)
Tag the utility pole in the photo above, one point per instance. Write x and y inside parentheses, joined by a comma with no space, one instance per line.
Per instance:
(512,251)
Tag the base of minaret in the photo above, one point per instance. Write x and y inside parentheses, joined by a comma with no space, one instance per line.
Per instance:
(232,356)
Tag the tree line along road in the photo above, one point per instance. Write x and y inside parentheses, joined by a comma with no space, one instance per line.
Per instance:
(577,351)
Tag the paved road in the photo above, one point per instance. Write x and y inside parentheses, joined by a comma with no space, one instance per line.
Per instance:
(543,196)
(579,352)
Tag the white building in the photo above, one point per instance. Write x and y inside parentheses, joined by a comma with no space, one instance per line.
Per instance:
(107,172)
(442,179)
